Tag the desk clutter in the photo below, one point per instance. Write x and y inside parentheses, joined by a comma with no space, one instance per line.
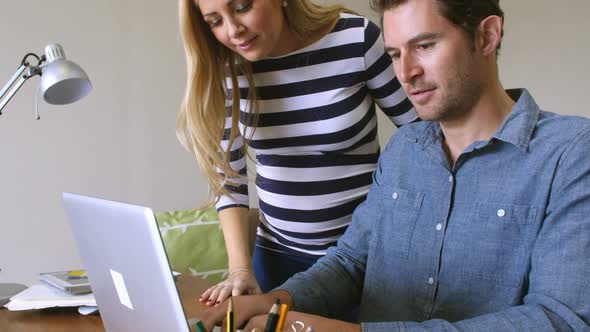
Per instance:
(74,282)
(42,295)
(59,289)
(56,289)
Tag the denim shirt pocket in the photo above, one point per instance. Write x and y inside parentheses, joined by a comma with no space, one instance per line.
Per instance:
(498,242)
(399,210)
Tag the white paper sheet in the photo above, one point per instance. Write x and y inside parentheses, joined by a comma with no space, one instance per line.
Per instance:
(41,296)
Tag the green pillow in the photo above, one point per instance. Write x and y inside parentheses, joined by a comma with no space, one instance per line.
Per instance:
(194,242)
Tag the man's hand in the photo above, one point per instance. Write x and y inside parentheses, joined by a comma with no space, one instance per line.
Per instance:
(317,323)
(245,307)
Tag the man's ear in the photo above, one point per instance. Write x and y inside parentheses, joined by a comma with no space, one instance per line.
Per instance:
(489,34)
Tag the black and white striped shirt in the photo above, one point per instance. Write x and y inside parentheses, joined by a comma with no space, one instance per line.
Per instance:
(316,139)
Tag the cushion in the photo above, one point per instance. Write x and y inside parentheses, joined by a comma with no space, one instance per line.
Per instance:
(194,242)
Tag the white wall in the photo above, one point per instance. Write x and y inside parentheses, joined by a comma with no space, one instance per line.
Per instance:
(119,142)
(546,49)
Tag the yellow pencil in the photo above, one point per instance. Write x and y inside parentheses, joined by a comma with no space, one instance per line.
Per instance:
(282,316)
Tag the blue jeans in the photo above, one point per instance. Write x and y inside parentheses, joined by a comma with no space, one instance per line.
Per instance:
(273,268)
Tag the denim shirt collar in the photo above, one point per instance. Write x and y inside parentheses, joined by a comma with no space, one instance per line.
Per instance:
(516,129)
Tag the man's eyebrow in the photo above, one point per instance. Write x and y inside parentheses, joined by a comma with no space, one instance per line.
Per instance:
(417,39)
(425,36)
(229,3)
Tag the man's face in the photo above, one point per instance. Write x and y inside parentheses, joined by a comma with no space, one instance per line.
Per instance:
(434,60)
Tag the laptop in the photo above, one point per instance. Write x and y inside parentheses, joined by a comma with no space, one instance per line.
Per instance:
(123,253)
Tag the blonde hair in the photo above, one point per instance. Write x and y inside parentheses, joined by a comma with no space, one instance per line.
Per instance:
(201,121)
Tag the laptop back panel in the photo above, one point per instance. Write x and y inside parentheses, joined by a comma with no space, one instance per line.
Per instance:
(123,253)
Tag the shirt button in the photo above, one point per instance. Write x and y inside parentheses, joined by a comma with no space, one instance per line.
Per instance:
(501,213)
(430,281)
(394,196)
(438,227)
(450,178)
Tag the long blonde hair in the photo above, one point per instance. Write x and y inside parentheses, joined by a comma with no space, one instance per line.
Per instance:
(201,120)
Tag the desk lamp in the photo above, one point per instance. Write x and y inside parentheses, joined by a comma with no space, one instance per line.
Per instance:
(62,82)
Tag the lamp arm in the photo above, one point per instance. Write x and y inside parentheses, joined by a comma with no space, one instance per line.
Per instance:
(32,71)
(13,92)
(13,79)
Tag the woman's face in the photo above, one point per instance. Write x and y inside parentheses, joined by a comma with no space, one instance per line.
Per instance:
(255,29)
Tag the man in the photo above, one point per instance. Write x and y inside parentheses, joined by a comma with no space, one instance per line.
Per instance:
(478,216)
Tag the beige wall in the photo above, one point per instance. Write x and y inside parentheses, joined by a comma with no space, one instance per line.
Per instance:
(119,142)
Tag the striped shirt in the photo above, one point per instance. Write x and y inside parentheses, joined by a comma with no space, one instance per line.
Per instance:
(316,139)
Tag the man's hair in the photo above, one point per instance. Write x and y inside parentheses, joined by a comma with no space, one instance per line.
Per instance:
(466,14)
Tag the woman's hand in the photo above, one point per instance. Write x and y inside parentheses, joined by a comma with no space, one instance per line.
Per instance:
(239,282)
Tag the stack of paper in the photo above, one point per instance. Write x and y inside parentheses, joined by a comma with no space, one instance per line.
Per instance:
(41,296)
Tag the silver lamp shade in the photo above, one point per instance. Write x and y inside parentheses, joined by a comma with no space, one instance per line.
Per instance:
(62,81)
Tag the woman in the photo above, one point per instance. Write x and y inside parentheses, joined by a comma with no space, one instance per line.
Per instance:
(297,82)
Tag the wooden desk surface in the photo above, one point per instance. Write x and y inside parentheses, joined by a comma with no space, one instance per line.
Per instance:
(68,319)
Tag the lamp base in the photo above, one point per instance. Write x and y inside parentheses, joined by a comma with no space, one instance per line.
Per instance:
(9,290)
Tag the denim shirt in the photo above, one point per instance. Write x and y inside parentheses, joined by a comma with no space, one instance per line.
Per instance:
(498,242)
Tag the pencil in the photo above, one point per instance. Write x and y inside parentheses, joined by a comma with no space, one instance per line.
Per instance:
(199,327)
(231,326)
(273,316)
(282,316)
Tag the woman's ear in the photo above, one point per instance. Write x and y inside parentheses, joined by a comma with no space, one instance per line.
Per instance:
(490,34)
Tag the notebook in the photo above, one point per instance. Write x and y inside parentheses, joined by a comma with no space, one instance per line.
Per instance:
(122,251)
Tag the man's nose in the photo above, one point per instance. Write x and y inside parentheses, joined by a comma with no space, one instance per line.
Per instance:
(409,68)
